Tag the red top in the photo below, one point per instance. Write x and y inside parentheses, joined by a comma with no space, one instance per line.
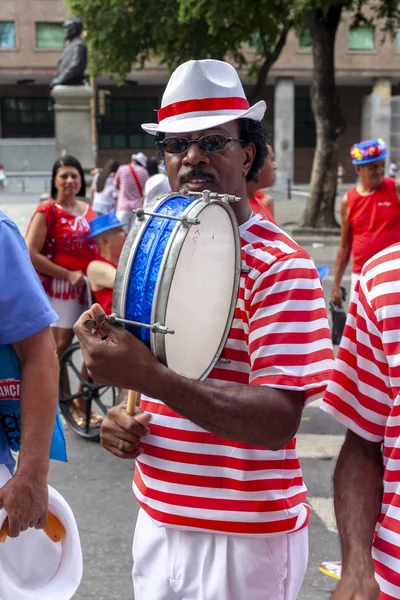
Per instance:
(73,249)
(104,295)
(374,221)
(259,207)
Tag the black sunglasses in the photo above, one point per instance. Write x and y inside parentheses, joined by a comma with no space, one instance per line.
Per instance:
(214,142)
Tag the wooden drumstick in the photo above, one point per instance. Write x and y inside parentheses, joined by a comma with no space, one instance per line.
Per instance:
(133,401)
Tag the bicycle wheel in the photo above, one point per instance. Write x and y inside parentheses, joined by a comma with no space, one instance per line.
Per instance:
(74,384)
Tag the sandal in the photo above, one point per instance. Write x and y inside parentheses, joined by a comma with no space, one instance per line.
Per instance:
(95,420)
(76,412)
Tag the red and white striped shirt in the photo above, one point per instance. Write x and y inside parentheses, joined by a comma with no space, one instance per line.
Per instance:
(130,196)
(192,479)
(364,395)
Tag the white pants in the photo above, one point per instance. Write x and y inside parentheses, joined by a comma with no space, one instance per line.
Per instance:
(174,564)
(68,311)
(126,217)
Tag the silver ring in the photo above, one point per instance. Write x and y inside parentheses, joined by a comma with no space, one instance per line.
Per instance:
(121,445)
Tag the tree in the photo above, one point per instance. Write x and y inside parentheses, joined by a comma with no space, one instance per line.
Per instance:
(121,33)
(125,32)
(322,18)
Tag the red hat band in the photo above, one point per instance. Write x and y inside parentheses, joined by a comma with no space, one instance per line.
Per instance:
(202,104)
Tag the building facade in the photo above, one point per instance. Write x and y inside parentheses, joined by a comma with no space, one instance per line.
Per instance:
(31,42)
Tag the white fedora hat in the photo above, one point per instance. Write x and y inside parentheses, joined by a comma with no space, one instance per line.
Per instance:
(140,158)
(202,94)
(33,567)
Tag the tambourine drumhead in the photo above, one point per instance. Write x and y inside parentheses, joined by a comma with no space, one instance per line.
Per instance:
(186,278)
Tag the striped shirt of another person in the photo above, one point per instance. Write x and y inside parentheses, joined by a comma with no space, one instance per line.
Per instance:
(129,195)
(364,395)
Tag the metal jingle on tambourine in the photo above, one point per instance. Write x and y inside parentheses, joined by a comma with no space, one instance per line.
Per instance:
(184,220)
(212,196)
(114,319)
(209,196)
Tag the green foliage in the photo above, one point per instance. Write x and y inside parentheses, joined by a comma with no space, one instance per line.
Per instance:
(125,32)
(366,12)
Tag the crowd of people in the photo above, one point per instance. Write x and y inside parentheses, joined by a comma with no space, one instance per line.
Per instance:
(218,480)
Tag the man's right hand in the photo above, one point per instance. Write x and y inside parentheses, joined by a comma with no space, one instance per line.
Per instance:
(121,433)
(337,296)
(355,589)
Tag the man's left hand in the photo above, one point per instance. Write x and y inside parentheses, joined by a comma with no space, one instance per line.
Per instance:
(113,355)
(25,500)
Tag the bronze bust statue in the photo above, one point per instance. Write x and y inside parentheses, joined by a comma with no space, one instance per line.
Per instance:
(73,61)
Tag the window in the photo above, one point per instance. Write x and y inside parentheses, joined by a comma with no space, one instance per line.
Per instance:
(304,125)
(26,118)
(49,35)
(398,40)
(120,127)
(254,42)
(362,38)
(7,34)
(305,40)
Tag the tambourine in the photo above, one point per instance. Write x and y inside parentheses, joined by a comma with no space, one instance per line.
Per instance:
(178,277)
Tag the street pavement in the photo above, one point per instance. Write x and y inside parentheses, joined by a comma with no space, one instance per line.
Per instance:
(98,485)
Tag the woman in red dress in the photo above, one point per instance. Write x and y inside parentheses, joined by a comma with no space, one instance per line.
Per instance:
(62,224)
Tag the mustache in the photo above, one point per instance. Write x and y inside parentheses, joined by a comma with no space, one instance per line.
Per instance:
(195,173)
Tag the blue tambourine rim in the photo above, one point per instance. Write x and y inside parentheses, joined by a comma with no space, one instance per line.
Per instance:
(142,259)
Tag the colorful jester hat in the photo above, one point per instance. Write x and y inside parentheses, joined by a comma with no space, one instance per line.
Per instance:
(368,151)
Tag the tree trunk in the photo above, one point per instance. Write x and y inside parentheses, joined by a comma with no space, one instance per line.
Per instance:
(329,123)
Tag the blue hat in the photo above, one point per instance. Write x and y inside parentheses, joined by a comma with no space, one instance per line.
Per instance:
(104,223)
(368,151)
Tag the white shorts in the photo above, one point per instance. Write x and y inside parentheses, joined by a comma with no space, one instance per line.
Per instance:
(68,312)
(174,564)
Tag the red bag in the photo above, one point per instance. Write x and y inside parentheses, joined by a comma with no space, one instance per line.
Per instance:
(48,249)
(135,177)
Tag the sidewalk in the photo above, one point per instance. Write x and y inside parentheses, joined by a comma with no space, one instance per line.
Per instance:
(19,207)
(322,248)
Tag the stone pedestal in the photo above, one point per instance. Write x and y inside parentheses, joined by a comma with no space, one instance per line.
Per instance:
(395,132)
(73,123)
(377,112)
(284,129)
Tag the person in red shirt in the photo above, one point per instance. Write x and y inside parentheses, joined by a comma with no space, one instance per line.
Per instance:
(259,201)
(370,213)
(108,233)
(65,219)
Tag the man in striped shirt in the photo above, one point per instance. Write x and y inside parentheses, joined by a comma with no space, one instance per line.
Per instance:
(223,513)
(364,396)
(130,180)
